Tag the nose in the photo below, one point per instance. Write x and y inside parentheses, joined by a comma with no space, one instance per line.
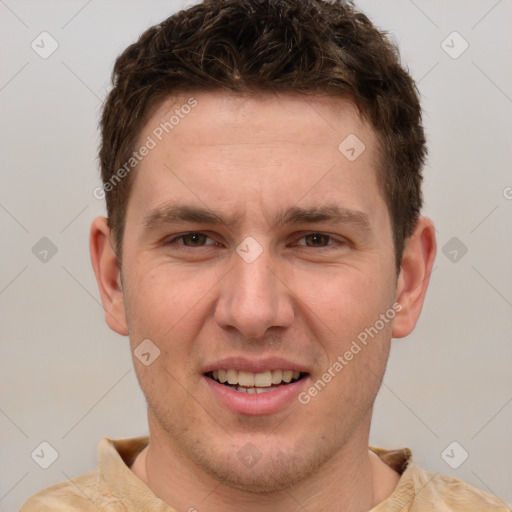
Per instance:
(254,297)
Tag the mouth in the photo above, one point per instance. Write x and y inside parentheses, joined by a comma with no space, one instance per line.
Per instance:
(255,383)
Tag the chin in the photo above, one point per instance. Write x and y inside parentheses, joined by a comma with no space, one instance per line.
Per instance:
(272,473)
(258,463)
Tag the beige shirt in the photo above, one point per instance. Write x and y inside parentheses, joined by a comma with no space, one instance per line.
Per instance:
(112,487)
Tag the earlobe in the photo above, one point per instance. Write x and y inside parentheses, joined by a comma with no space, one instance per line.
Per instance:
(417,262)
(108,276)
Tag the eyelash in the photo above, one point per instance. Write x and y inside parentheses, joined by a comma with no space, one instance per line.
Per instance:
(328,247)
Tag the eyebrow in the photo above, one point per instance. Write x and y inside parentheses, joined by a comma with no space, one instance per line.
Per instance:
(331,213)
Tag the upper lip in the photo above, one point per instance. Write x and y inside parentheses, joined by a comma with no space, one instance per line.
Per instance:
(254,365)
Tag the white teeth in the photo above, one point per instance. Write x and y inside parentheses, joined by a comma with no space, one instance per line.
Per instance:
(263,379)
(253,391)
(277,376)
(232,376)
(255,382)
(245,379)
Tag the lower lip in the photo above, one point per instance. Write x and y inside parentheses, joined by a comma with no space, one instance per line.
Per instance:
(256,403)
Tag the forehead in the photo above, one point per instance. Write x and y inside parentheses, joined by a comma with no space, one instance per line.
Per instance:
(253,117)
(215,131)
(234,150)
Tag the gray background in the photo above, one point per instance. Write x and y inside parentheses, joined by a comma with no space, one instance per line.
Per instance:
(68,380)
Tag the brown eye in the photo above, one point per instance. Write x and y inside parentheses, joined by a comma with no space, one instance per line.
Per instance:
(317,240)
(195,239)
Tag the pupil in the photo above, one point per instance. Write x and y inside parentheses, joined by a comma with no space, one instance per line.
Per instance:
(194,238)
(315,238)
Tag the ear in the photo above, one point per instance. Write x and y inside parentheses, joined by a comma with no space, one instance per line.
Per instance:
(107,272)
(417,261)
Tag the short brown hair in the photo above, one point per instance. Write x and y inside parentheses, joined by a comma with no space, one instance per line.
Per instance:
(308,46)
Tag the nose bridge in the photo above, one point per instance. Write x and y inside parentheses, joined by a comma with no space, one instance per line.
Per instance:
(253,299)
(254,280)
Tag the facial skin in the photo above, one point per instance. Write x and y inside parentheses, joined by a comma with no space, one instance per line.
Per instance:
(304,299)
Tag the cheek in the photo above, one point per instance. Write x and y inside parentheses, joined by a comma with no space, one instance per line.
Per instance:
(348,300)
(348,310)
(166,308)
(163,300)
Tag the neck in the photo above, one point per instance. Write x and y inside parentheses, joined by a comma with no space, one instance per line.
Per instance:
(353,480)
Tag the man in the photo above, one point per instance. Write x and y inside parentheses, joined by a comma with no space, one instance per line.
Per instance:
(261,163)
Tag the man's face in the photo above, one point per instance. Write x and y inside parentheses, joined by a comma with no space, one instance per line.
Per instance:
(278,289)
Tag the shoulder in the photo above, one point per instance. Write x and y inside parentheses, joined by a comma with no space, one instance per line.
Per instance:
(85,493)
(449,493)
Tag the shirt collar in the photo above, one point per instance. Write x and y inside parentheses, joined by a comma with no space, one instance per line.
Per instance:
(115,458)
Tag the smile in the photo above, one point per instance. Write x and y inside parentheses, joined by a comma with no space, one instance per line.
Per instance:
(253,383)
